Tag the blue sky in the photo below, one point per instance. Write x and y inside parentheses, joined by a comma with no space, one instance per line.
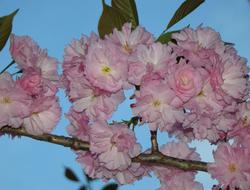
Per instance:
(30,165)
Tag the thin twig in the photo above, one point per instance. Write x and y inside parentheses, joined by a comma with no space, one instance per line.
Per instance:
(11,63)
(154,143)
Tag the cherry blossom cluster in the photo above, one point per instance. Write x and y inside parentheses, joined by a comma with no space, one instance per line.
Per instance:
(30,101)
(194,87)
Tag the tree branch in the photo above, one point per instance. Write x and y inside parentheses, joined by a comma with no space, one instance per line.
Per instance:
(55,139)
(154,158)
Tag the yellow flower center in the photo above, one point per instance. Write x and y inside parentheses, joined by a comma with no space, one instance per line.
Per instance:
(184,80)
(201,94)
(245,120)
(35,114)
(156,103)
(127,48)
(6,100)
(232,167)
(106,70)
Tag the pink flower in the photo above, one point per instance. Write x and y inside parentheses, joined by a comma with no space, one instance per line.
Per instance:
(179,150)
(114,144)
(135,172)
(79,125)
(235,80)
(182,181)
(75,52)
(89,162)
(186,81)
(14,102)
(96,104)
(75,58)
(158,105)
(231,167)
(241,130)
(31,81)
(105,67)
(129,39)
(48,68)
(170,177)
(198,44)
(25,51)
(30,57)
(205,103)
(45,115)
(157,56)
(93,168)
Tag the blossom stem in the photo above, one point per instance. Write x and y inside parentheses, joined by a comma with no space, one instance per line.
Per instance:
(11,63)
(155,158)
(154,143)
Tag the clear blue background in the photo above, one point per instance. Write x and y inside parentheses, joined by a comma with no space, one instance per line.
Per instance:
(31,165)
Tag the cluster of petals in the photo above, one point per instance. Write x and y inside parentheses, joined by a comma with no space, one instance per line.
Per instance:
(111,150)
(30,101)
(194,87)
(231,167)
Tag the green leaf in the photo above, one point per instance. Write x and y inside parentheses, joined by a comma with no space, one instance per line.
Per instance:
(229,44)
(128,9)
(110,19)
(6,27)
(186,7)
(111,186)
(69,174)
(166,37)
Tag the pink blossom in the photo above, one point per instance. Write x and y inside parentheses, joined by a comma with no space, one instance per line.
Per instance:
(205,102)
(45,115)
(78,126)
(128,39)
(30,57)
(96,104)
(186,81)
(134,172)
(243,114)
(225,122)
(88,162)
(48,68)
(179,150)
(241,129)
(105,67)
(157,56)
(75,52)
(31,81)
(14,102)
(114,144)
(198,44)
(231,166)
(93,168)
(157,104)
(182,181)
(184,133)
(235,81)
(170,176)
(25,51)
(75,58)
